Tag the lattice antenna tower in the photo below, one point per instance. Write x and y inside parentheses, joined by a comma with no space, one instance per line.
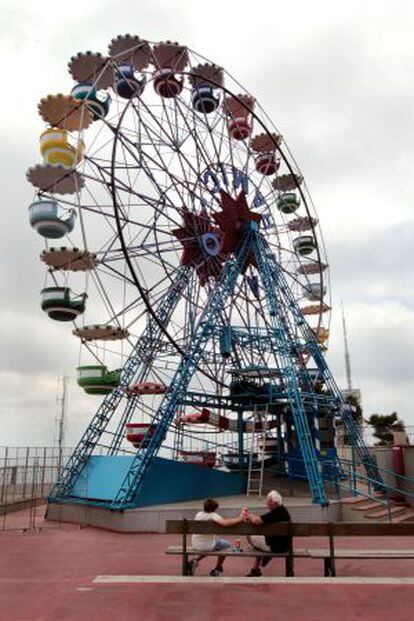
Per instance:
(61,419)
(347,356)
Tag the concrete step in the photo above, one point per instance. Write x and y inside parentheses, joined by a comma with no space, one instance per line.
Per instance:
(354,500)
(384,512)
(407,516)
(365,506)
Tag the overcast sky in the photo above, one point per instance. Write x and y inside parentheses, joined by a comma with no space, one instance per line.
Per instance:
(336,78)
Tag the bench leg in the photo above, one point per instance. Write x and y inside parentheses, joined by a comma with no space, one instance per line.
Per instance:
(185,565)
(329,567)
(290,572)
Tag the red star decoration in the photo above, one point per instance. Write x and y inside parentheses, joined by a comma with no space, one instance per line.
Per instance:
(234,216)
(195,225)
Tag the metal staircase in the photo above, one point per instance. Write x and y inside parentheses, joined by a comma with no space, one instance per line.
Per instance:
(255,472)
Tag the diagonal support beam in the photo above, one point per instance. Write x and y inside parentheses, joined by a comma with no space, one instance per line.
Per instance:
(204,330)
(138,364)
(269,273)
(311,341)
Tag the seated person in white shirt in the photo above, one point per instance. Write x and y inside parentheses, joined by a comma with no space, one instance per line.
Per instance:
(211,543)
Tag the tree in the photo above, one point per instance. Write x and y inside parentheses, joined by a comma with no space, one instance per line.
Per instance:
(357,415)
(356,408)
(384,425)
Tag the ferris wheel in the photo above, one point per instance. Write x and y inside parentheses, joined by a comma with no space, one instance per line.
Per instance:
(192,262)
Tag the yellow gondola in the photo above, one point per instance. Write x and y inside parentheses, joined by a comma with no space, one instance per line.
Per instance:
(58,148)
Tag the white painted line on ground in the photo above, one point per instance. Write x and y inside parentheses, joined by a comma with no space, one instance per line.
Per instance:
(245,580)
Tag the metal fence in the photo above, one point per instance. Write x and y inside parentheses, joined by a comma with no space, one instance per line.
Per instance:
(26,474)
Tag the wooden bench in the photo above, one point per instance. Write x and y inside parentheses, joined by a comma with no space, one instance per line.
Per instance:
(350,529)
(324,529)
(190,527)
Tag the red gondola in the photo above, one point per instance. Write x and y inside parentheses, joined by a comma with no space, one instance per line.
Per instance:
(139,434)
(205,459)
(146,388)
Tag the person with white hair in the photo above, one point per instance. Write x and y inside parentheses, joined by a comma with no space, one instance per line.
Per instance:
(269,543)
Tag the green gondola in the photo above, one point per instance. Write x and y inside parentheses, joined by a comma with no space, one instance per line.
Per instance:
(61,304)
(288,202)
(97,380)
(305,244)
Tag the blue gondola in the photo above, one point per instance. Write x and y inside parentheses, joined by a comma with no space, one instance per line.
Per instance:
(126,84)
(203,99)
(44,218)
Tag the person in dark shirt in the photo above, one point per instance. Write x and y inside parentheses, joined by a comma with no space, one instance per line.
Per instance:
(277,513)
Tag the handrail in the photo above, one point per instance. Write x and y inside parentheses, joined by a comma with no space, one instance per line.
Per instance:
(339,462)
(381,485)
(386,470)
(351,474)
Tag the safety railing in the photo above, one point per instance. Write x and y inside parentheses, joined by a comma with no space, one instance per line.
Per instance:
(347,476)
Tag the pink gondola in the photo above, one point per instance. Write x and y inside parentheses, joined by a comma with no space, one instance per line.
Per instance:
(238,110)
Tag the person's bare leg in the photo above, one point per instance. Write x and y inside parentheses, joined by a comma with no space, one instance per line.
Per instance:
(255,570)
(193,564)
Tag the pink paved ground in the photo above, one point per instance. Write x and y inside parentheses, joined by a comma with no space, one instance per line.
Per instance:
(48,575)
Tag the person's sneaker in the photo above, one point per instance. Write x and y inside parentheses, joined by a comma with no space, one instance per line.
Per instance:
(216,572)
(254,573)
(192,566)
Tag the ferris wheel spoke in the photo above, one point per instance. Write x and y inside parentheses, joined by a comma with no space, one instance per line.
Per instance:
(162,130)
(151,177)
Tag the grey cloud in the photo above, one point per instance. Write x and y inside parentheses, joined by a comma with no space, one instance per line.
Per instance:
(337,80)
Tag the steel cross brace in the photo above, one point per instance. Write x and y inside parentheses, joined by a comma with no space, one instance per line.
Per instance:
(336,396)
(138,363)
(269,273)
(204,330)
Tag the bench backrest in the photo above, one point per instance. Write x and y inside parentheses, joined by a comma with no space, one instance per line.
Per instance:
(316,529)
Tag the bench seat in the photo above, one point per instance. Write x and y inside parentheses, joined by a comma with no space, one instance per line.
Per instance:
(363,553)
(250,552)
(329,560)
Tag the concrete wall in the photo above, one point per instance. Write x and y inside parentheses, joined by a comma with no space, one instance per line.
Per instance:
(409,473)
(383,457)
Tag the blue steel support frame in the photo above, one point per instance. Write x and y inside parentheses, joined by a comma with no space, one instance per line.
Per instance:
(138,364)
(311,341)
(271,284)
(204,330)
(282,341)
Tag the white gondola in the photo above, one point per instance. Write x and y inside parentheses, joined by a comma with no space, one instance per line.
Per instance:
(44,218)
(314,291)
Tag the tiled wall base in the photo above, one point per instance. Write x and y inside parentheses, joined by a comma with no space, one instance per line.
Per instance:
(152,519)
